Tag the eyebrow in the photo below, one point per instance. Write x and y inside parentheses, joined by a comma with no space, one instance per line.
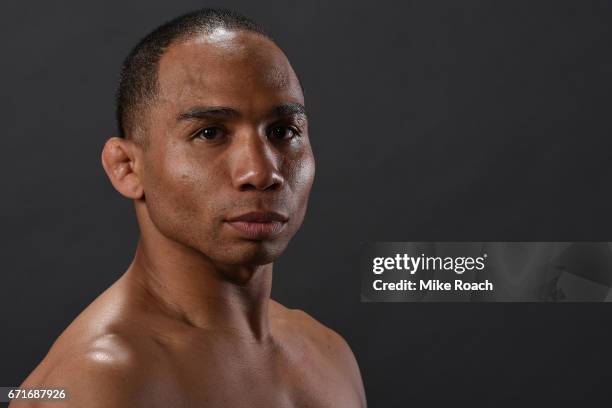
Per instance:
(218,112)
(289,109)
(207,113)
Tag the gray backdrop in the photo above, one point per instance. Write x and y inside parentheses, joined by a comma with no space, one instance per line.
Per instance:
(430,121)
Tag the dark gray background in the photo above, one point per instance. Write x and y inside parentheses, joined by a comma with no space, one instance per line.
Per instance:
(430,121)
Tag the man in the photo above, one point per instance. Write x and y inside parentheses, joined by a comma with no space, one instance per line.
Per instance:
(215,155)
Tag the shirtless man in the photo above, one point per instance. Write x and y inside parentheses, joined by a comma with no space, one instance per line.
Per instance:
(215,155)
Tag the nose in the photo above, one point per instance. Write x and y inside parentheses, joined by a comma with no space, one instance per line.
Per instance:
(255,164)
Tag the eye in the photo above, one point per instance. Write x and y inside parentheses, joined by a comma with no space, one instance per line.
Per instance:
(209,133)
(282,132)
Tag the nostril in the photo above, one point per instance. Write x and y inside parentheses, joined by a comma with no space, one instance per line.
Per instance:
(262,182)
(255,166)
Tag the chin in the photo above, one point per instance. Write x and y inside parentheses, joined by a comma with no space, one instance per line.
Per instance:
(251,253)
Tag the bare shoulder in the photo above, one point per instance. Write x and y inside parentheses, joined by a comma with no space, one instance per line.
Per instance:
(330,344)
(105,357)
(107,370)
(327,340)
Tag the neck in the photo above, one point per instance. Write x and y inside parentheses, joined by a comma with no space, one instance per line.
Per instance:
(190,287)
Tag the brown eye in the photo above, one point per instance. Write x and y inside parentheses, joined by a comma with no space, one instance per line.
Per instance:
(282,132)
(209,133)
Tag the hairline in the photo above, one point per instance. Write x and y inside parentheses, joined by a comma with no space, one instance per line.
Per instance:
(147,102)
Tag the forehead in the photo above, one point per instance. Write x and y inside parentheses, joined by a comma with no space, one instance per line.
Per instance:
(226,67)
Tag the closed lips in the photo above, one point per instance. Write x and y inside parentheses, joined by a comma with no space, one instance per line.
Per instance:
(259,217)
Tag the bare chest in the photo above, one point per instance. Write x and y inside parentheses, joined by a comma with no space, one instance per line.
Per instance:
(226,377)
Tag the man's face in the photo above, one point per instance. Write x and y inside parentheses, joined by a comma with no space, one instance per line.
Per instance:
(227,137)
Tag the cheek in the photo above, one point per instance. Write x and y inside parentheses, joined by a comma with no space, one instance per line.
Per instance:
(302,174)
(174,180)
(176,197)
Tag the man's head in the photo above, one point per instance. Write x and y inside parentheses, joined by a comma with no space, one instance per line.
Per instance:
(213,125)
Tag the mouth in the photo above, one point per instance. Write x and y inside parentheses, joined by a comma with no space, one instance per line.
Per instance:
(259,225)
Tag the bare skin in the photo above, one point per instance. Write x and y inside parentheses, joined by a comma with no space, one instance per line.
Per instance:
(191,322)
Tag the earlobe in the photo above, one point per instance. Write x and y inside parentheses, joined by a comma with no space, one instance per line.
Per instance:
(118,160)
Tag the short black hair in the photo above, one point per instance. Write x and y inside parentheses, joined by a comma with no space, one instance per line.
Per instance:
(138,77)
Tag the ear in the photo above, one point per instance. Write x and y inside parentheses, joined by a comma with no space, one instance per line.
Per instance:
(119,159)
